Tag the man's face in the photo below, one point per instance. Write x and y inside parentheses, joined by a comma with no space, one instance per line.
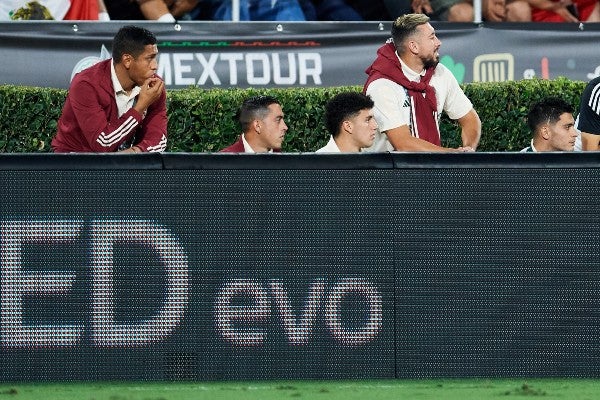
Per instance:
(144,66)
(562,135)
(363,128)
(273,127)
(429,45)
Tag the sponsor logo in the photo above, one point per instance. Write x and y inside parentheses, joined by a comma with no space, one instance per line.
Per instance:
(247,69)
(88,61)
(247,312)
(498,67)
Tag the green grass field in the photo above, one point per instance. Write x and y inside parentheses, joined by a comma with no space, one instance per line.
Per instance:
(446,389)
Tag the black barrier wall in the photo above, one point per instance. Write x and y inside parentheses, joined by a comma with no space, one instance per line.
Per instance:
(221,266)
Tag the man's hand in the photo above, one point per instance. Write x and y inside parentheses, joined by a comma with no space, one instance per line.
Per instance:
(465,149)
(150,92)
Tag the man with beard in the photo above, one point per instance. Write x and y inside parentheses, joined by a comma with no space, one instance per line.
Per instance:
(411,89)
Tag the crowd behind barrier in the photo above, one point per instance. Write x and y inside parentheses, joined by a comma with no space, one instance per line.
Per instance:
(233,10)
(302,10)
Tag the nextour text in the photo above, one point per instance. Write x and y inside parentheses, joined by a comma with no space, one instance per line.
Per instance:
(179,69)
(242,307)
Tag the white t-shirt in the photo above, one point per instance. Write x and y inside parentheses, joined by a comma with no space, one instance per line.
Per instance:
(330,147)
(578,142)
(392,105)
(530,149)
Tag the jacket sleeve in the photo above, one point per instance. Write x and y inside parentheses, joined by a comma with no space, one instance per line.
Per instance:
(102,131)
(153,136)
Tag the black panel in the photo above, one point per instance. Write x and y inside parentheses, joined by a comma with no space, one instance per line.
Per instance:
(281,273)
(498,272)
(210,267)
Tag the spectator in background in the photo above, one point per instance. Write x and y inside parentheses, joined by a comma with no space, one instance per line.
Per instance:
(460,10)
(463,11)
(552,126)
(117,104)
(345,10)
(565,10)
(350,122)
(588,120)
(297,10)
(263,127)
(253,10)
(329,10)
(155,10)
(518,11)
(411,88)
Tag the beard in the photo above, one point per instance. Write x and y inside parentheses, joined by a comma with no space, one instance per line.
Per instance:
(431,62)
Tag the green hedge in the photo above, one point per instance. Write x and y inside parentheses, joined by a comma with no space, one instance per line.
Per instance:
(203,120)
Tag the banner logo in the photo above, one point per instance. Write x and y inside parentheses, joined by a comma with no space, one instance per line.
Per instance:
(499,67)
(87,62)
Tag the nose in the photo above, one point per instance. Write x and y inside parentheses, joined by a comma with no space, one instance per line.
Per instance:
(574,132)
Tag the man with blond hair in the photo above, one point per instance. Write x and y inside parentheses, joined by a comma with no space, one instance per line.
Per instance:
(411,89)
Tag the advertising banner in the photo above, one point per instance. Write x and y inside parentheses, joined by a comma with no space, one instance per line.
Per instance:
(223,54)
(282,266)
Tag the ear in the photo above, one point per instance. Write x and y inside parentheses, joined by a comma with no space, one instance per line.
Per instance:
(413,46)
(256,125)
(546,132)
(347,125)
(126,60)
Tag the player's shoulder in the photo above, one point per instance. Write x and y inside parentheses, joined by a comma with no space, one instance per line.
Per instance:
(383,87)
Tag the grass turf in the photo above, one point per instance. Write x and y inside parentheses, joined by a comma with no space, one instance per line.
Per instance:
(447,389)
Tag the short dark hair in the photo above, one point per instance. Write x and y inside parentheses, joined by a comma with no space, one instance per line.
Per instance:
(256,107)
(131,40)
(343,106)
(548,111)
(405,26)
